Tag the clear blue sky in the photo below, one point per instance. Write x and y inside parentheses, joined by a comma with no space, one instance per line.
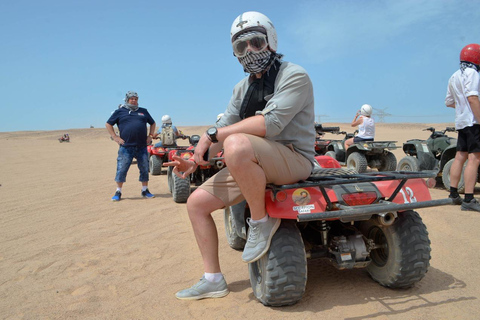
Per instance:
(67,64)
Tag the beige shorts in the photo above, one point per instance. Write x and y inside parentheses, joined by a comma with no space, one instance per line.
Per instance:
(280,163)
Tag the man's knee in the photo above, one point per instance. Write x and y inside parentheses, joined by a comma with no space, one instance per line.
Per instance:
(474,158)
(203,202)
(237,147)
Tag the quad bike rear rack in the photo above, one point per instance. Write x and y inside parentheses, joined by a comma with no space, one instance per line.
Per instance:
(346,212)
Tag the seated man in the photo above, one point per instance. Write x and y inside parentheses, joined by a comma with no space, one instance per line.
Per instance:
(268,137)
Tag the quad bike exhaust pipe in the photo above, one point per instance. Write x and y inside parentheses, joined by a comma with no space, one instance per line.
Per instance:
(219,164)
(386,219)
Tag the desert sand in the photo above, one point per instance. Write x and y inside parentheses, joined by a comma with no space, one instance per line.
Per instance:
(68,252)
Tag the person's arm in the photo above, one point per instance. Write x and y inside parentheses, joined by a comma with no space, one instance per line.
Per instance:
(112,133)
(152,133)
(253,125)
(449,101)
(475,106)
(357,120)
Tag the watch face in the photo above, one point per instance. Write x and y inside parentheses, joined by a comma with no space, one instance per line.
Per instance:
(212,131)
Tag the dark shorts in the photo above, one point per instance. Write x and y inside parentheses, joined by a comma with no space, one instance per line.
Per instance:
(469,139)
(358,139)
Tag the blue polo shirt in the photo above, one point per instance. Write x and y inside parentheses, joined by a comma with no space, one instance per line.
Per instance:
(132,125)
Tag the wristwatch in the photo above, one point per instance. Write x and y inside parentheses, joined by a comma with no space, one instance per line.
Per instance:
(212,134)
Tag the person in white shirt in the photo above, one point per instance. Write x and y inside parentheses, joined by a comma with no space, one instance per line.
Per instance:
(366,126)
(462,94)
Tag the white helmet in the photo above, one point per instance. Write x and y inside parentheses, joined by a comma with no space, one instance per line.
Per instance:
(166,119)
(366,110)
(219,116)
(254,21)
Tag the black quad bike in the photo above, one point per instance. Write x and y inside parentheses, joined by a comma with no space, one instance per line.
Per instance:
(360,155)
(321,144)
(436,153)
(352,220)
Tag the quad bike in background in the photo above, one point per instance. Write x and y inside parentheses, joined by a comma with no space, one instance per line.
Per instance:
(322,144)
(352,220)
(181,188)
(436,153)
(360,155)
(64,138)
(158,154)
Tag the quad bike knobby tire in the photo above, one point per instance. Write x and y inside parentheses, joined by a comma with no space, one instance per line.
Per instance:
(388,162)
(180,189)
(357,161)
(446,176)
(280,276)
(155,165)
(403,250)
(408,163)
(231,229)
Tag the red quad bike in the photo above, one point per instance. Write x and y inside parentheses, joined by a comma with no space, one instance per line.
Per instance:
(321,145)
(64,139)
(180,188)
(353,220)
(158,155)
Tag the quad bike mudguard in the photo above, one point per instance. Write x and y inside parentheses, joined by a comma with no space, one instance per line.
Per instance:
(420,149)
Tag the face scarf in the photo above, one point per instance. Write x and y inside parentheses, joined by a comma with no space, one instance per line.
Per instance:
(130,107)
(256,62)
(464,65)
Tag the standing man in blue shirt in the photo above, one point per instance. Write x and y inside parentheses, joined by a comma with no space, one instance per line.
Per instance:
(133,140)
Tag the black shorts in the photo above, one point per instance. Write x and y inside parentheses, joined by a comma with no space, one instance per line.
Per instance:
(358,139)
(469,139)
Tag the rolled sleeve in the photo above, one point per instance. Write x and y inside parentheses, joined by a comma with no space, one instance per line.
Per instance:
(286,103)
(472,84)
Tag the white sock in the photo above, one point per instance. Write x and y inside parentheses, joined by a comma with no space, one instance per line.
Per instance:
(144,188)
(264,219)
(213,277)
(119,190)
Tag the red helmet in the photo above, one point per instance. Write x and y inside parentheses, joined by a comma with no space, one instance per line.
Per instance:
(471,53)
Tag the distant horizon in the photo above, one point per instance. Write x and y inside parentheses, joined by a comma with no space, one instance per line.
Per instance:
(206,125)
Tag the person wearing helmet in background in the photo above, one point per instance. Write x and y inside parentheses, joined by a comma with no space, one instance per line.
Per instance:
(462,94)
(366,126)
(167,122)
(131,121)
(267,136)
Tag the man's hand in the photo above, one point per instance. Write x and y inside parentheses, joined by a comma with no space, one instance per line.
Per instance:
(119,140)
(201,148)
(181,165)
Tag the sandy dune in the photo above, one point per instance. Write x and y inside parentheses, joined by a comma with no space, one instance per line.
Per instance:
(68,252)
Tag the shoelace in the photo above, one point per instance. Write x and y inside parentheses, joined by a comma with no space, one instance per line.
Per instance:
(252,234)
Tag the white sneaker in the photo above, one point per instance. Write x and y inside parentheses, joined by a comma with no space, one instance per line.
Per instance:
(204,289)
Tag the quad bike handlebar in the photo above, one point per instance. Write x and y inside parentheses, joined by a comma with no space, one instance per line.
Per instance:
(320,129)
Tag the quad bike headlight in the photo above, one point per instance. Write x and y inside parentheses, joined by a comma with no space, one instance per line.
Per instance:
(186,155)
